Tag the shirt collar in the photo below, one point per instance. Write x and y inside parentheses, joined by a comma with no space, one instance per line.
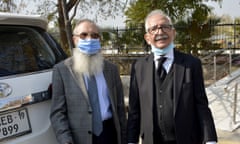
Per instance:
(169,55)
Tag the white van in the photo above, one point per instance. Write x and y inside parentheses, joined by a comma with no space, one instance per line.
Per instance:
(27,55)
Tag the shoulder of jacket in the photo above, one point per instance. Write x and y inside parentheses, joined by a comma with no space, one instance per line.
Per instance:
(186,55)
(65,62)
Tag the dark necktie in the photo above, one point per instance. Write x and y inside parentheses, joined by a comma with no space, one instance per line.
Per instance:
(160,69)
(93,97)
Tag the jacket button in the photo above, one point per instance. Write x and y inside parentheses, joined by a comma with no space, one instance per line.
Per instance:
(89,132)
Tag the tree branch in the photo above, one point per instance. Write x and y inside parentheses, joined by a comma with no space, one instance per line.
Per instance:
(71,4)
(75,10)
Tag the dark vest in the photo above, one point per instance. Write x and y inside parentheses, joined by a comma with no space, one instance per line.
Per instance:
(164,129)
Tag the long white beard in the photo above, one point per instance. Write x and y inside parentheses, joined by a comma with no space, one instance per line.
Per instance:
(87,64)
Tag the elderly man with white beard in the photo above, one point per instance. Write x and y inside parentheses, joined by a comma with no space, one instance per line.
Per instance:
(87,94)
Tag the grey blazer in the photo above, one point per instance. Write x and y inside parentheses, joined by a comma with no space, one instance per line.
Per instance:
(71,116)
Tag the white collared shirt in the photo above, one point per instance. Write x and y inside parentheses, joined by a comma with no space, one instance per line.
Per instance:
(169,61)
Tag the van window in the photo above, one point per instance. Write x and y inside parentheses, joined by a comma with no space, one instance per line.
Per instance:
(23,50)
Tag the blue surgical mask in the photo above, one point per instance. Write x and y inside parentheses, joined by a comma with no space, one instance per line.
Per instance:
(158,51)
(89,46)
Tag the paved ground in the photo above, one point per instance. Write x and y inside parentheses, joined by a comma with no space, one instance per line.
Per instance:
(226,137)
(224,101)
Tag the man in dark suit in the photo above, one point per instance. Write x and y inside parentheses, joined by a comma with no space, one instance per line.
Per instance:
(87,101)
(167,100)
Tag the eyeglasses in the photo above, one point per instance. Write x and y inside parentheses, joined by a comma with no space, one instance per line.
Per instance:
(84,35)
(155,29)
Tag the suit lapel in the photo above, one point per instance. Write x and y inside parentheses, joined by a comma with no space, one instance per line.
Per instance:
(178,68)
(107,75)
(147,80)
(107,72)
(79,79)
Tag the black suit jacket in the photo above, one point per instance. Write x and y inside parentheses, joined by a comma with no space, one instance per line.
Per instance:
(193,119)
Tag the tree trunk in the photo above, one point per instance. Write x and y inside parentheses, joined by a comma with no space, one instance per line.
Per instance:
(65,27)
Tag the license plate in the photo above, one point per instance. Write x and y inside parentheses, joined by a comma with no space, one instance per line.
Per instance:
(14,123)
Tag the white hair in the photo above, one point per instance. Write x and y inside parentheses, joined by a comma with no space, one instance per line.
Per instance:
(156,12)
(75,30)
